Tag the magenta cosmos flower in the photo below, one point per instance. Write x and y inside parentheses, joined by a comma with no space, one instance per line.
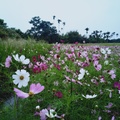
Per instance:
(58,94)
(34,89)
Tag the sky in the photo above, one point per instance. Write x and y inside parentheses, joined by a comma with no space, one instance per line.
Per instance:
(77,14)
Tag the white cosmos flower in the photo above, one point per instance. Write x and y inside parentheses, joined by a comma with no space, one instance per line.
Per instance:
(105,51)
(21,59)
(21,78)
(82,73)
(89,96)
(108,51)
(37,107)
(106,62)
(51,113)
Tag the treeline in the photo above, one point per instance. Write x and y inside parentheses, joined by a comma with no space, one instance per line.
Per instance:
(45,30)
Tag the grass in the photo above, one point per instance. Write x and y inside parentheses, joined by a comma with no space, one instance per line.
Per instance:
(63,92)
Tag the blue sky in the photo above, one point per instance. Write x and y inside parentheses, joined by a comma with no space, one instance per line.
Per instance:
(77,14)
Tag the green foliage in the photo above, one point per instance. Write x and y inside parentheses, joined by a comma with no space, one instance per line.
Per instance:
(6,32)
(72,37)
(41,29)
(72,103)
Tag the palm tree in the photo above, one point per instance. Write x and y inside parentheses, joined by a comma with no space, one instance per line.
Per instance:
(87,29)
(59,25)
(63,23)
(107,36)
(117,35)
(63,26)
(54,19)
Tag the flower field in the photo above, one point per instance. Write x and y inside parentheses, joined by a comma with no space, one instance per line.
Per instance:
(59,81)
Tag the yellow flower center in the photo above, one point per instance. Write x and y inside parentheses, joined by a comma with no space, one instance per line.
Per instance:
(31,93)
(21,77)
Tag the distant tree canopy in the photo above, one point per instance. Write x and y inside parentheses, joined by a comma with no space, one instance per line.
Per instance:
(6,32)
(72,37)
(45,30)
(41,29)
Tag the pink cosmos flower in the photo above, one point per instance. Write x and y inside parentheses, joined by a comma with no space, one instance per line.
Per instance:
(113,118)
(113,76)
(34,89)
(109,105)
(97,65)
(56,56)
(38,67)
(58,94)
(57,66)
(48,113)
(72,80)
(8,61)
(43,114)
(117,85)
(96,57)
(112,73)
(102,79)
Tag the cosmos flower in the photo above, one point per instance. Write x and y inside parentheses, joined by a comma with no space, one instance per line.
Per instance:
(8,61)
(39,66)
(89,96)
(97,66)
(112,73)
(110,93)
(99,118)
(34,89)
(51,113)
(106,62)
(45,113)
(109,105)
(113,118)
(21,78)
(58,94)
(82,73)
(117,85)
(37,107)
(21,59)
(105,51)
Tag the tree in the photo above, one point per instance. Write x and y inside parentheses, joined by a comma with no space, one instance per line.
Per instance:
(3,28)
(59,25)
(54,17)
(63,25)
(117,34)
(41,29)
(2,24)
(87,29)
(96,37)
(72,37)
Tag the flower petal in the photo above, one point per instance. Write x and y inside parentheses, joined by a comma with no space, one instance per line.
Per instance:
(36,88)
(27,61)
(18,72)
(15,82)
(16,57)
(20,93)
(22,58)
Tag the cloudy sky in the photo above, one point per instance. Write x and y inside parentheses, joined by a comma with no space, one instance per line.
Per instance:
(77,14)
